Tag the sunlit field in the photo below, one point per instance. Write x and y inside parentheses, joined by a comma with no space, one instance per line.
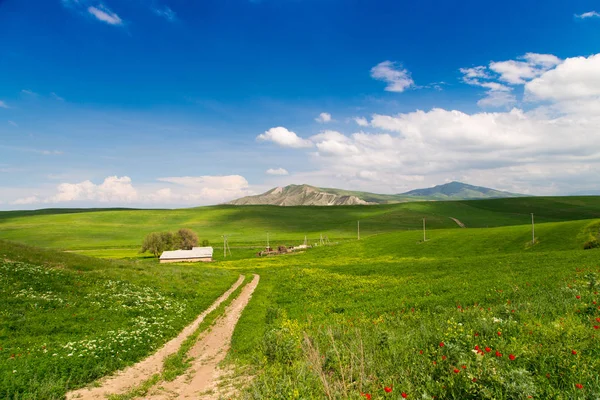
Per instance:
(468,313)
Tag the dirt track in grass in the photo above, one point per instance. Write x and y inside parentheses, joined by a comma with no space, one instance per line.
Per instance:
(134,375)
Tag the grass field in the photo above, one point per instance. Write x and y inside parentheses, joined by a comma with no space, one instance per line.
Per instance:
(66,320)
(340,321)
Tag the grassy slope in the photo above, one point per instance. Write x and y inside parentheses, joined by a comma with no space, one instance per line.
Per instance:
(396,297)
(66,319)
(249,225)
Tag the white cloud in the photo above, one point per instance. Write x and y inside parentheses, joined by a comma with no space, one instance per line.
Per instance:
(166,13)
(112,190)
(577,77)
(3,104)
(27,200)
(29,92)
(117,191)
(284,138)
(589,14)
(277,171)
(398,79)
(519,72)
(361,121)
(323,118)
(497,99)
(475,72)
(104,14)
(13,123)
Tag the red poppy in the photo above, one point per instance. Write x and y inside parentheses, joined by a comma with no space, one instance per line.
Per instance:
(367,395)
(442,344)
(596,327)
(499,333)
(434,363)
(597,319)
(498,354)
(443,357)
(387,389)
(420,351)
(404,395)
(574,352)
(577,297)
(476,347)
(511,357)
(474,379)
(464,367)
(579,386)
(476,334)
(487,349)
(456,370)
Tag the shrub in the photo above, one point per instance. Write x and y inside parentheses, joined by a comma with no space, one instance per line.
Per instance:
(591,244)
(186,239)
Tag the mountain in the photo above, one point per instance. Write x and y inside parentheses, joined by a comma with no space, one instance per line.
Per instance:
(299,195)
(305,195)
(458,191)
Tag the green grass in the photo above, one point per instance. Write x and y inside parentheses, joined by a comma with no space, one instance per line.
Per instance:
(335,321)
(124,229)
(66,320)
(354,318)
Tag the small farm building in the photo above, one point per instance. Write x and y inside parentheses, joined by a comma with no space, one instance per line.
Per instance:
(194,255)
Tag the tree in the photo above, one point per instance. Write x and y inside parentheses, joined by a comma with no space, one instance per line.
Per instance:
(186,239)
(205,243)
(154,243)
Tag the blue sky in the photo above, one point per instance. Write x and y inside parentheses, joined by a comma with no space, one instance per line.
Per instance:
(180,103)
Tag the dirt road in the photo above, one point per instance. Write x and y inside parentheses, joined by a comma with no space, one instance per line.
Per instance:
(132,376)
(203,378)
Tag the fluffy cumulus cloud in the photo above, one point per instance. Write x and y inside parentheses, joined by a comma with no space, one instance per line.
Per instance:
(113,189)
(284,138)
(361,121)
(324,118)
(550,148)
(576,78)
(277,171)
(497,77)
(398,79)
(168,191)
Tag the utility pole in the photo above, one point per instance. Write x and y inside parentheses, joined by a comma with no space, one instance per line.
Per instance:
(358,230)
(224,246)
(424,236)
(268,247)
(532,230)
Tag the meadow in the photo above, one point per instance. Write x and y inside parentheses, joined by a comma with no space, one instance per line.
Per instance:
(469,313)
(66,320)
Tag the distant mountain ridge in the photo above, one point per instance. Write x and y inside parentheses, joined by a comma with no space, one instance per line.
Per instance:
(299,195)
(306,195)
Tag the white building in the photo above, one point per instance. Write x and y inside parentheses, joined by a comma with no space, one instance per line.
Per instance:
(196,254)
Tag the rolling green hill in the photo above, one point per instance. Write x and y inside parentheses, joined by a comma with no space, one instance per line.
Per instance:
(248,225)
(345,319)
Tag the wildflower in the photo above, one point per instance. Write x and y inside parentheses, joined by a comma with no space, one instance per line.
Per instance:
(596,327)
(499,333)
(420,351)
(579,386)
(474,379)
(443,357)
(574,352)
(404,395)
(578,297)
(597,319)
(464,367)
(487,349)
(442,344)
(498,354)
(387,389)
(456,370)
(476,347)
(511,357)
